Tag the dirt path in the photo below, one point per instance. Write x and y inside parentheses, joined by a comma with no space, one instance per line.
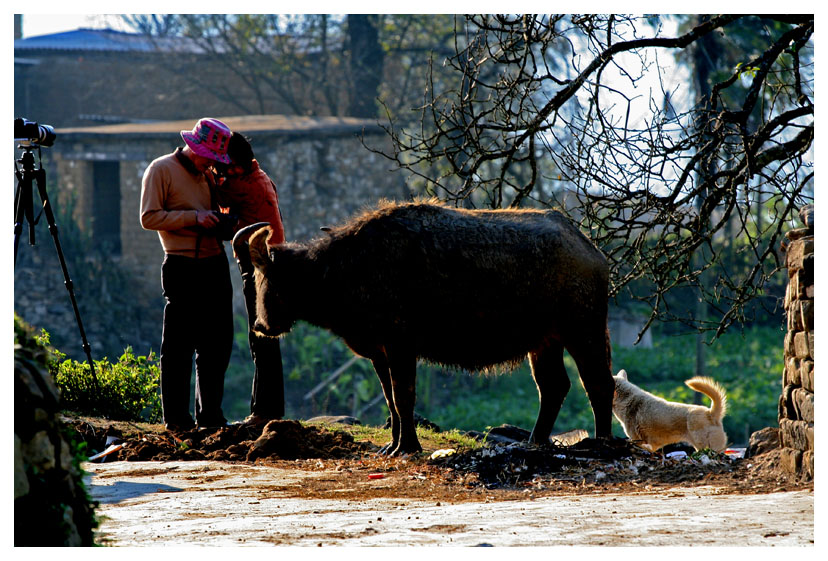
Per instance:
(218,503)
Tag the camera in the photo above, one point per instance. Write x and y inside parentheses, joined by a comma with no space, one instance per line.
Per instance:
(226,227)
(30,133)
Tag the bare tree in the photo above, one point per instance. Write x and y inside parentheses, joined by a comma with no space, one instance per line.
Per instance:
(554,111)
(301,64)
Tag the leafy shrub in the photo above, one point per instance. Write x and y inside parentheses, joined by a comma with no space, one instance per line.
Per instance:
(748,365)
(309,356)
(127,390)
(476,401)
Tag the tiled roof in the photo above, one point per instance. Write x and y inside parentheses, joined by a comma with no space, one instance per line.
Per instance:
(100,40)
(247,124)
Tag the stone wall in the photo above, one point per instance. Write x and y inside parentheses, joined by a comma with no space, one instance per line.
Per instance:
(79,87)
(796,404)
(51,504)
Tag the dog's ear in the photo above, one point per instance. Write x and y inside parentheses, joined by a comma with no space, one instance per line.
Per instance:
(622,374)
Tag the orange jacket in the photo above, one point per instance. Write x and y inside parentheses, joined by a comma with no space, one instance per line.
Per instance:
(254,199)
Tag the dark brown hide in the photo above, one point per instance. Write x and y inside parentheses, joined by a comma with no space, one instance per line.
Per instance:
(466,288)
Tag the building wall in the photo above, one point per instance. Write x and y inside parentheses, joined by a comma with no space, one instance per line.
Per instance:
(71,88)
(321,180)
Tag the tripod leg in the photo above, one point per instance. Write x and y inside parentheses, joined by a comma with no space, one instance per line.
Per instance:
(22,208)
(40,176)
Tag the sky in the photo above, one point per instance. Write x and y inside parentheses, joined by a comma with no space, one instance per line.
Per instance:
(43,24)
(50,20)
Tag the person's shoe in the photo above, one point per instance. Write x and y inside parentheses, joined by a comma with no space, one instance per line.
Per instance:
(180,427)
(256,420)
(213,425)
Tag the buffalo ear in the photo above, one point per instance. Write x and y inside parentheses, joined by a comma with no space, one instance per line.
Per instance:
(258,247)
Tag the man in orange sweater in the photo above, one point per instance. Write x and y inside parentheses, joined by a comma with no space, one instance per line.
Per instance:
(177,202)
(251,195)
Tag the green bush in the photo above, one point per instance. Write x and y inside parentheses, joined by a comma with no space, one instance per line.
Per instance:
(309,356)
(748,365)
(477,401)
(127,390)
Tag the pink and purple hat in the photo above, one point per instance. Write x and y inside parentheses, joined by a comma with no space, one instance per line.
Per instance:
(209,139)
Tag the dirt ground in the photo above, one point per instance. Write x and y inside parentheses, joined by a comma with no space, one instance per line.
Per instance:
(294,484)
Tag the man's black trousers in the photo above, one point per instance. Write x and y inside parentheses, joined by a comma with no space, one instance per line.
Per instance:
(198,321)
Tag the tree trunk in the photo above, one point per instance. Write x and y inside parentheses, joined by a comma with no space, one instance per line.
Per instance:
(704,61)
(366,62)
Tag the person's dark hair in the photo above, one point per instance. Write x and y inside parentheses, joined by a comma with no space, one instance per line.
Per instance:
(239,150)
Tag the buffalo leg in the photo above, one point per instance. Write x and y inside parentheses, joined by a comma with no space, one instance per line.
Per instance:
(381,368)
(592,357)
(553,384)
(403,380)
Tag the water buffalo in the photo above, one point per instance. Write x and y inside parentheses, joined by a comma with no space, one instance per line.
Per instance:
(465,288)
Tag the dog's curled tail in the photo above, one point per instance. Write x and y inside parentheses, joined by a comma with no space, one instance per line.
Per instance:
(712,389)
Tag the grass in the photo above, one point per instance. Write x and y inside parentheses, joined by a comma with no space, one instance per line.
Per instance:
(429,439)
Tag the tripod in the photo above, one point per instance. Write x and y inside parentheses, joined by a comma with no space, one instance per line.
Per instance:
(24,212)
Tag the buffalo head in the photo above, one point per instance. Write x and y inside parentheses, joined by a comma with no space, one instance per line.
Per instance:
(274,315)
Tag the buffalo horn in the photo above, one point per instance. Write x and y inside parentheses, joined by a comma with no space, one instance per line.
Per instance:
(243,235)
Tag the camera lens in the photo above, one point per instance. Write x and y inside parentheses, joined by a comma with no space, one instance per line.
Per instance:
(46,135)
(25,130)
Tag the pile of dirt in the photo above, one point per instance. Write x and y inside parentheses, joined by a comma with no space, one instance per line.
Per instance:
(503,466)
(277,440)
(585,462)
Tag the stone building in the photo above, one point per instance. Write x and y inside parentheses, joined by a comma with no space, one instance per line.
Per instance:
(323,173)
(86,77)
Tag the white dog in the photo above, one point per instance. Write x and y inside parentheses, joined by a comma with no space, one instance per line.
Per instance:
(655,422)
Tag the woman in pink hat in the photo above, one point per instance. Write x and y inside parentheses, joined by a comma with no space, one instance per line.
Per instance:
(177,202)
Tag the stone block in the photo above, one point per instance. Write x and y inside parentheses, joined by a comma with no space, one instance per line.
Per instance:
(806,314)
(806,214)
(803,401)
(798,435)
(802,284)
(811,344)
(794,318)
(786,408)
(806,374)
(762,441)
(795,255)
(807,245)
(807,469)
(788,344)
(40,452)
(790,461)
(793,285)
(792,372)
(801,344)
(21,481)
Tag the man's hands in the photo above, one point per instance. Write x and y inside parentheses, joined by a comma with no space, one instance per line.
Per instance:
(206,218)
